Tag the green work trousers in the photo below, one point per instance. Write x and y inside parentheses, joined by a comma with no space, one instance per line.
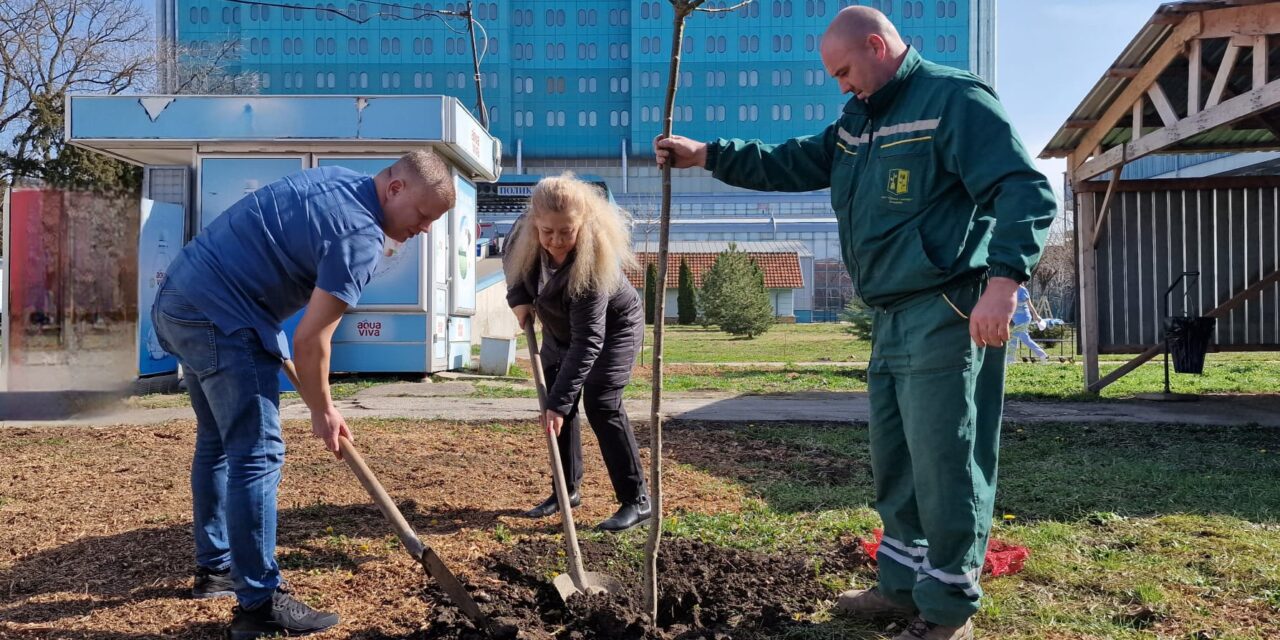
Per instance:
(936,400)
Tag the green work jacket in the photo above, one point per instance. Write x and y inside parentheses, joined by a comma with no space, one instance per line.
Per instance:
(929,182)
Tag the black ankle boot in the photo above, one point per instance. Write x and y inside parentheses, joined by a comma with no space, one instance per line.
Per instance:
(628,515)
(551,506)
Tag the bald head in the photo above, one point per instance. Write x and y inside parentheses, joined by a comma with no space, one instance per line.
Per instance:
(862,50)
(854,24)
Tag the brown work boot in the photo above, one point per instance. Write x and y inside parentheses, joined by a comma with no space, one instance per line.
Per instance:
(920,629)
(870,603)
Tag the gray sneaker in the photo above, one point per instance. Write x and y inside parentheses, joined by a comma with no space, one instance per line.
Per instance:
(870,603)
(281,615)
(212,584)
(921,629)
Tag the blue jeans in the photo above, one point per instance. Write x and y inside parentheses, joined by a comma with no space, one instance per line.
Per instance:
(239,448)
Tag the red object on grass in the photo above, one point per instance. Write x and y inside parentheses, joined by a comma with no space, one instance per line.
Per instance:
(1002,558)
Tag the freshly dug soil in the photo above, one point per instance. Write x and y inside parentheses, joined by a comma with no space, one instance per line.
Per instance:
(705,591)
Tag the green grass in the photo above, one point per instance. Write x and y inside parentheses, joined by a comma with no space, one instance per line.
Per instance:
(1223,373)
(1131,528)
(820,342)
(1041,382)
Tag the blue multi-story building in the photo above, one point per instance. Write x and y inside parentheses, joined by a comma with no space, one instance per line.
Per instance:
(580,85)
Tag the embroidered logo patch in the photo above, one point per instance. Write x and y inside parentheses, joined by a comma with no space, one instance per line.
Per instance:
(899,182)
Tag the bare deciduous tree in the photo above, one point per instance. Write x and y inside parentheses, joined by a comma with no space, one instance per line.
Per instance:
(51,48)
(200,70)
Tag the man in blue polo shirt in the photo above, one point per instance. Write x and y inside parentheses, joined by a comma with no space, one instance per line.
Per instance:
(310,239)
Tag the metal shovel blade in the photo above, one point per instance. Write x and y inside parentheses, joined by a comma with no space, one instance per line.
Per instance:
(593,583)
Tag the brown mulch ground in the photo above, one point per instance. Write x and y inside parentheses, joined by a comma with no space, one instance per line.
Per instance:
(96,536)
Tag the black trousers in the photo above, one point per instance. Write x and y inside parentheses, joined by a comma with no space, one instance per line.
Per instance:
(608,418)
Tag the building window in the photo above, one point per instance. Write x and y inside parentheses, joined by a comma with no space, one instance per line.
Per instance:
(266,81)
(364,46)
(786,77)
(625,118)
(582,118)
(808,112)
(951,44)
(786,112)
(364,80)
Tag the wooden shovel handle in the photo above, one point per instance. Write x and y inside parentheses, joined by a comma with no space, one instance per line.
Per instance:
(576,571)
(370,483)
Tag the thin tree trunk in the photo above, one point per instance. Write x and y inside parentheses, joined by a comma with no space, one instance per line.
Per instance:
(682,11)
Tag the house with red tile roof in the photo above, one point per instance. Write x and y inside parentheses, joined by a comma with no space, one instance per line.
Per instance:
(787,267)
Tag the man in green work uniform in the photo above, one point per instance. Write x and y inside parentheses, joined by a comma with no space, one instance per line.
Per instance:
(941,216)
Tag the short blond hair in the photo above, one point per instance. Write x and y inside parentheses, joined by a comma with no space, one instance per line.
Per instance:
(603,249)
(426,169)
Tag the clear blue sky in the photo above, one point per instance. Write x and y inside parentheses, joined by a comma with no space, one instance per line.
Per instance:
(1049,55)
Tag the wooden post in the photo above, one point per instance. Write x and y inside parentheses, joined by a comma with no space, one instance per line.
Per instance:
(1088,259)
(1194,69)
(1259,61)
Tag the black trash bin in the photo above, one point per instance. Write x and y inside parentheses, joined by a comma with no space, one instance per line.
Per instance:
(1188,339)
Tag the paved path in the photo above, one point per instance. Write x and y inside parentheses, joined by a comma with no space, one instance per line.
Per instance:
(451,401)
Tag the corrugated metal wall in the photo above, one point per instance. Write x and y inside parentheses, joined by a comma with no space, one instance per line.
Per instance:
(1224,228)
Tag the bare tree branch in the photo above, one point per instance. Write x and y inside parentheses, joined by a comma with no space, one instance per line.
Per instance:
(725,9)
(50,48)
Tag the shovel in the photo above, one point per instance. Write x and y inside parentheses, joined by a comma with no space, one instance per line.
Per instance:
(577,580)
(424,554)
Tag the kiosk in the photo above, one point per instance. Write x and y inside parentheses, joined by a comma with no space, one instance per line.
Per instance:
(200,154)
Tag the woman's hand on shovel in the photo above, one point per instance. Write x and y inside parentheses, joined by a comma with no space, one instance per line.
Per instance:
(552,420)
(328,425)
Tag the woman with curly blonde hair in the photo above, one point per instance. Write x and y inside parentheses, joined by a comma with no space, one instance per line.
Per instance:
(566,265)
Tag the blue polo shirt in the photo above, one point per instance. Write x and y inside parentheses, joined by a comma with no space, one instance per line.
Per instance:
(258,263)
